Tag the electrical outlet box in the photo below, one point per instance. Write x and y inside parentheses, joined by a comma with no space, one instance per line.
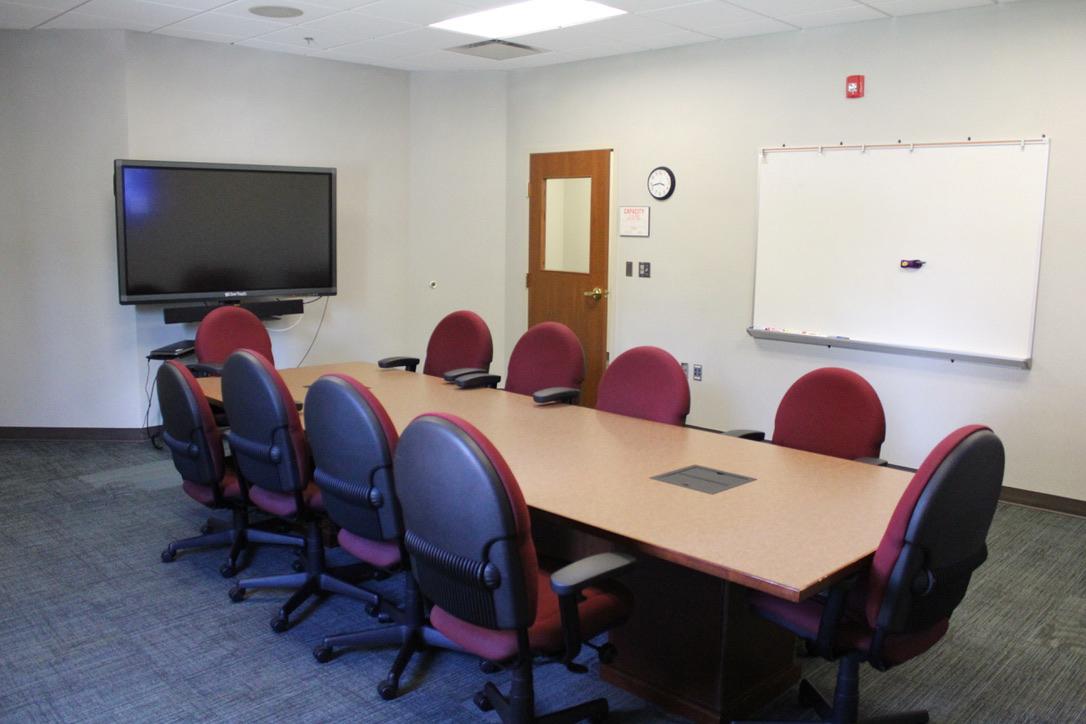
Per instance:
(644,269)
(686,368)
(629,268)
(697,373)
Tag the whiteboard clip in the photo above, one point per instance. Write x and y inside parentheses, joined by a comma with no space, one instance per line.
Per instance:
(820,150)
(764,156)
(1023,146)
(912,147)
(863,148)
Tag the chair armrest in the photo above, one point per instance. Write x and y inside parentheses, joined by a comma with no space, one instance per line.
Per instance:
(409,363)
(871,461)
(556,394)
(746,434)
(205,369)
(568,582)
(451,375)
(477,379)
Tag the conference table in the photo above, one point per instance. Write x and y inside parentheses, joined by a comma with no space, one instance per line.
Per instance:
(691,645)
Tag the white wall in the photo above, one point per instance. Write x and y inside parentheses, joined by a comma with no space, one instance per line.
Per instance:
(74,101)
(997,72)
(457,220)
(69,355)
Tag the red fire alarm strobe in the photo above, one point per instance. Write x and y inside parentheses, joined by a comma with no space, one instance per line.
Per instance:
(854,86)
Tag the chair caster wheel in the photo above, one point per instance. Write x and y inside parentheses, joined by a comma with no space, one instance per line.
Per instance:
(227,570)
(168,555)
(237,594)
(482,701)
(280,623)
(323,654)
(489,667)
(607,653)
(387,691)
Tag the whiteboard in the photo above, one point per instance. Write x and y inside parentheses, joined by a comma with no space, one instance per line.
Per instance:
(835,223)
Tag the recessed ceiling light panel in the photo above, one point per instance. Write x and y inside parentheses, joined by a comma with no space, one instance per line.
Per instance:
(533,16)
(275,11)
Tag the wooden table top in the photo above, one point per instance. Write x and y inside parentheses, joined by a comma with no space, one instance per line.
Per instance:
(804,522)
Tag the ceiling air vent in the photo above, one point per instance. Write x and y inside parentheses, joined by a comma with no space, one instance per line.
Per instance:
(496,49)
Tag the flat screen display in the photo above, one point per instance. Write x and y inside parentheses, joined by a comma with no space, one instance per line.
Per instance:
(214,231)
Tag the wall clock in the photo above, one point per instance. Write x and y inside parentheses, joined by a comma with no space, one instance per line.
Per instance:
(661,183)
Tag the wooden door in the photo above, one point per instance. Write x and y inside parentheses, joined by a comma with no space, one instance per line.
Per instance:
(568,284)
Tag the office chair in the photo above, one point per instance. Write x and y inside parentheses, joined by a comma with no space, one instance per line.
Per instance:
(901,606)
(831,411)
(190,432)
(224,330)
(645,382)
(468,535)
(459,341)
(547,363)
(353,439)
(273,463)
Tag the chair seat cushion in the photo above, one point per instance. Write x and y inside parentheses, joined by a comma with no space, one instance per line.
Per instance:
(383,554)
(284,504)
(205,495)
(600,610)
(853,634)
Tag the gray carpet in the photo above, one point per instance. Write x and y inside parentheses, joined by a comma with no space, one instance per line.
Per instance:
(94,628)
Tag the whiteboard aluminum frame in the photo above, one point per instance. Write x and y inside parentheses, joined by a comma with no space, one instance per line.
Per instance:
(848,343)
(844,343)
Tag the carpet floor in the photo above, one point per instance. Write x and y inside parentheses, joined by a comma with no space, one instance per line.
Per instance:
(94,628)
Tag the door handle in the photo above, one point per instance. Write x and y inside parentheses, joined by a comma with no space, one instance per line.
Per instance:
(596,293)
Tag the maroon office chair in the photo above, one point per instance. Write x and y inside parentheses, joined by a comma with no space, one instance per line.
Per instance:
(468,534)
(547,363)
(459,341)
(353,440)
(831,411)
(901,606)
(195,443)
(645,382)
(274,465)
(225,330)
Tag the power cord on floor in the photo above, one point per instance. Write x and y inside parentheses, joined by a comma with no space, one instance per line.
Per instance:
(149,390)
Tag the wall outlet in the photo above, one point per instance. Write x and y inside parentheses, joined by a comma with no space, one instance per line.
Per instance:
(697,373)
(644,269)
(686,368)
(629,268)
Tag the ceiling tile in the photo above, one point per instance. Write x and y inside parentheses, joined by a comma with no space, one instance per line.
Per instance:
(857,13)
(696,16)
(23,17)
(177,32)
(349,53)
(417,12)
(640,6)
(200,5)
(235,27)
(143,13)
(447,61)
(240,9)
(427,40)
(80,21)
(762,26)
(58,5)
(784,8)
(913,7)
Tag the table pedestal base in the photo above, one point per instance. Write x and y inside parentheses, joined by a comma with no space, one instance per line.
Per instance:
(691,645)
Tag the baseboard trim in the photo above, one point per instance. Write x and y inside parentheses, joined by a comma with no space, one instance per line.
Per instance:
(1044,501)
(102,434)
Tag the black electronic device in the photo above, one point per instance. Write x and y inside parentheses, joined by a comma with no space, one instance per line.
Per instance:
(201,231)
(173,350)
(265,310)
